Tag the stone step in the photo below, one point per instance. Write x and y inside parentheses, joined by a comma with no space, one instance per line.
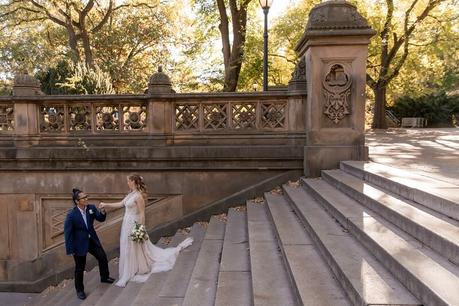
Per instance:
(235,255)
(49,293)
(203,283)
(270,280)
(151,288)
(128,295)
(440,196)
(427,279)
(68,296)
(113,292)
(168,301)
(363,278)
(94,296)
(176,284)
(436,233)
(304,263)
(234,280)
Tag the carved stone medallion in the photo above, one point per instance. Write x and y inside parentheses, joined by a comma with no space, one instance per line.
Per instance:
(337,91)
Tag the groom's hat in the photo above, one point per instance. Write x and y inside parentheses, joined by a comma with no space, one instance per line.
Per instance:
(75,193)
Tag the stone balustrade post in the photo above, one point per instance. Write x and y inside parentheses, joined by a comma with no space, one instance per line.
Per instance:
(160,107)
(334,48)
(25,113)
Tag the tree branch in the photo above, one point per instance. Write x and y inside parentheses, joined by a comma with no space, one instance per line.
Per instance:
(370,81)
(105,19)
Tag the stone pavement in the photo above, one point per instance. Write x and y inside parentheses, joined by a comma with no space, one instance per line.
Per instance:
(429,152)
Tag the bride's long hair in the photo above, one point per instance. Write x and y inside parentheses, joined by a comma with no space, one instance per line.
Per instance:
(139,184)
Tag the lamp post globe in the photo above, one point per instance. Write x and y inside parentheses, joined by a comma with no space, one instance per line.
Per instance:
(265,5)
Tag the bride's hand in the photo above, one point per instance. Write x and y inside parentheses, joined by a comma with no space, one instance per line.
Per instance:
(102,205)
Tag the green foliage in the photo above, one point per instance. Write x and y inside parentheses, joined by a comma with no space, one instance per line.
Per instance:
(74,79)
(438,109)
(52,77)
(88,81)
(5,88)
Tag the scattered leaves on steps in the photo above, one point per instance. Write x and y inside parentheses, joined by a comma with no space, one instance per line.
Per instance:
(203,224)
(277,191)
(258,200)
(166,240)
(240,208)
(184,231)
(294,184)
(222,217)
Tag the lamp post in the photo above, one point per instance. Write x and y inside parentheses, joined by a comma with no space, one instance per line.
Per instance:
(265,5)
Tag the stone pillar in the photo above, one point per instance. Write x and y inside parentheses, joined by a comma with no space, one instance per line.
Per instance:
(160,108)
(25,112)
(335,50)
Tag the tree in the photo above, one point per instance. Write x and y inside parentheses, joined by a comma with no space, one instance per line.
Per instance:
(232,49)
(285,32)
(128,40)
(394,42)
(81,21)
(233,54)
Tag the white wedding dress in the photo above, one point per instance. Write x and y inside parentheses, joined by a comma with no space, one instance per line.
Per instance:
(139,260)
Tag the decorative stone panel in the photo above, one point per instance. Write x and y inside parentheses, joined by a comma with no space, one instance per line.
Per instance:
(230,116)
(273,115)
(6,117)
(52,119)
(80,118)
(187,116)
(134,117)
(54,211)
(107,118)
(215,116)
(337,92)
(244,115)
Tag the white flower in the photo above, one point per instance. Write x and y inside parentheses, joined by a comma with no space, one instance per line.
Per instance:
(91,212)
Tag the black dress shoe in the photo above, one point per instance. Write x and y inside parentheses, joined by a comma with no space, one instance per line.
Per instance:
(108,280)
(81,295)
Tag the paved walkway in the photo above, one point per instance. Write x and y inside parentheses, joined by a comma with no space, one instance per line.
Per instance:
(429,152)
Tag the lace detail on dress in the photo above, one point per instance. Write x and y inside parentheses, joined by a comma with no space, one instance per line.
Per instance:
(139,260)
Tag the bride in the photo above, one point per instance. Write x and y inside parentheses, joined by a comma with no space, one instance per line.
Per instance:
(140,259)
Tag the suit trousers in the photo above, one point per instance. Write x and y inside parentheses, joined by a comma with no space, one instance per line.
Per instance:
(80,264)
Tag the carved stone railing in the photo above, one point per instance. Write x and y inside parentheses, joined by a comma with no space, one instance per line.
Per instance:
(6,117)
(166,114)
(234,116)
(92,117)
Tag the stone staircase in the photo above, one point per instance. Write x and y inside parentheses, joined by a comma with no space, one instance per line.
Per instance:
(364,234)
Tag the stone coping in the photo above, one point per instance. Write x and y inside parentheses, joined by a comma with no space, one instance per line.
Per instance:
(165,96)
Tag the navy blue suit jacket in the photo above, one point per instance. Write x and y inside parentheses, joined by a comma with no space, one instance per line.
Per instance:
(76,233)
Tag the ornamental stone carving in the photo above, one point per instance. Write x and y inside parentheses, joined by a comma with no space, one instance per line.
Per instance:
(160,83)
(298,81)
(337,91)
(26,85)
(332,15)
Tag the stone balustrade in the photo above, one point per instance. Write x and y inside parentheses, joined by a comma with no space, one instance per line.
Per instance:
(234,113)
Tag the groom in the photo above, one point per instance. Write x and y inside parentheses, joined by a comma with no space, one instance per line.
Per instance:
(81,238)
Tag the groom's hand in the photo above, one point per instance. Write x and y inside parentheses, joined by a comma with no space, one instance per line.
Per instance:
(102,207)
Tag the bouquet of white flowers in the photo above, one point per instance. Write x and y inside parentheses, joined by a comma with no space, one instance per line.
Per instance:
(139,234)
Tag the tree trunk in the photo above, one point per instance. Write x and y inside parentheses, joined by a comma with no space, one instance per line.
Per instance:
(379,118)
(73,44)
(232,55)
(87,49)
(237,52)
